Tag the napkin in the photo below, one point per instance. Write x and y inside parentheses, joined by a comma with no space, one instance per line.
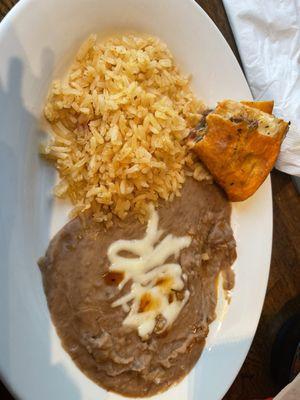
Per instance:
(267,34)
(291,391)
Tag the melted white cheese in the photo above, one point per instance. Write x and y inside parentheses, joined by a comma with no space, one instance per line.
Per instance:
(153,281)
(268,125)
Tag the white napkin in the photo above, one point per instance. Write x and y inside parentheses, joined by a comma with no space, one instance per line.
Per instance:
(291,391)
(267,33)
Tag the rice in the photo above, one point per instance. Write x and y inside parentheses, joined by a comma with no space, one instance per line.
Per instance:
(118,123)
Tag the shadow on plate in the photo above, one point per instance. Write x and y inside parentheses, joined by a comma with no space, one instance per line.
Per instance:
(26,362)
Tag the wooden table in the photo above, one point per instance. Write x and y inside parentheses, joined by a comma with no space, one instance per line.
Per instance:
(254,380)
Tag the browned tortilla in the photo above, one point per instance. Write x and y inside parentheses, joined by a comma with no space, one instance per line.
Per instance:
(239,144)
(80,295)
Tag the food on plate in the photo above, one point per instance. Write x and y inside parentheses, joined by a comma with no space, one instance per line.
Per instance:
(239,145)
(132,303)
(131,281)
(117,122)
(266,106)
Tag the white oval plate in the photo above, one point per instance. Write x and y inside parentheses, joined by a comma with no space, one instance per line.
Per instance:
(37,39)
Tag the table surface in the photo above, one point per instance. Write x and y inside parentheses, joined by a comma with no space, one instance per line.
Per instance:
(283,292)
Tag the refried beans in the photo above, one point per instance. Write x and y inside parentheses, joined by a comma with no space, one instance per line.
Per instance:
(80,292)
